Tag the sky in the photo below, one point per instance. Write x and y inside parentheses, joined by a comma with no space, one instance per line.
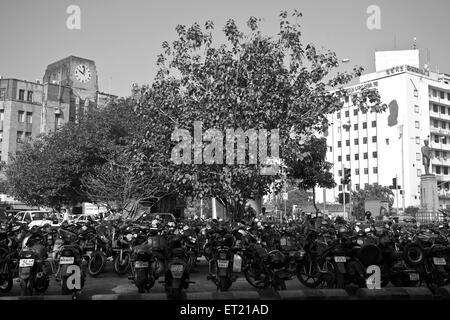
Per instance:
(124,37)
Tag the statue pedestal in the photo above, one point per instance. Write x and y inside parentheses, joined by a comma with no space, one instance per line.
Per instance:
(429,200)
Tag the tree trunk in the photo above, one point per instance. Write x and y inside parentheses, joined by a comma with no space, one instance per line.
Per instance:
(314,199)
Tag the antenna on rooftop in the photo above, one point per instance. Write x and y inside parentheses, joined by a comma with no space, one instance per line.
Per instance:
(415,43)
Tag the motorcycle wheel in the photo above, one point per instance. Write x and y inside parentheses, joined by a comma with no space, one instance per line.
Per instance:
(64,290)
(308,274)
(25,289)
(175,293)
(224,283)
(435,281)
(192,259)
(96,264)
(6,284)
(249,273)
(279,284)
(121,267)
(413,254)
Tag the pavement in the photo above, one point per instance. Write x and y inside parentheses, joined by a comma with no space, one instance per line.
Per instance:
(110,286)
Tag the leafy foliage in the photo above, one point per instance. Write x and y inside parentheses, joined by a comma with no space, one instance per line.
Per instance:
(251,82)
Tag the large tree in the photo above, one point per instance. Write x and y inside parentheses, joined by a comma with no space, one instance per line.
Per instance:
(253,81)
(49,170)
(312,170)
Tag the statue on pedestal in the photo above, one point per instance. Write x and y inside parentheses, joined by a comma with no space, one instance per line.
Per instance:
(426,157)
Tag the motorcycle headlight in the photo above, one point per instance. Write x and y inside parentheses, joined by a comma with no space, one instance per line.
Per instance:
(129,237)
(192,239)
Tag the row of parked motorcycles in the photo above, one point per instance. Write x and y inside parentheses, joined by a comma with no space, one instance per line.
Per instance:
(319,253)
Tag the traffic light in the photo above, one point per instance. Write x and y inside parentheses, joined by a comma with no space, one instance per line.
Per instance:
(347,176)
(394,183)
(341,199)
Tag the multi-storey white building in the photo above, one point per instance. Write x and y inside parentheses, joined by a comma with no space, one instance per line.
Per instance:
(378,147)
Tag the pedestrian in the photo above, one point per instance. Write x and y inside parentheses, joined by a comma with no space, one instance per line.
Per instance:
(65,214)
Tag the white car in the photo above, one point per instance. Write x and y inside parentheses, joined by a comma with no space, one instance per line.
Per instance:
(83,218)
(37,218)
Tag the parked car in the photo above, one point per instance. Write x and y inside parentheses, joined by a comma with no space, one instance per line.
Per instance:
(166,217)
(37,218)
(83,218)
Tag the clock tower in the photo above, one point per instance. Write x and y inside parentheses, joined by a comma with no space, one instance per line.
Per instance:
(70,90)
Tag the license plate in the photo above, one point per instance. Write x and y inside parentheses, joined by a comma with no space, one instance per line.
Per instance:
(340,259)
(141,264)
(177,270)
(439,261)
(66,260)
(222,263)
(414,276)
(26,263)
(283,241)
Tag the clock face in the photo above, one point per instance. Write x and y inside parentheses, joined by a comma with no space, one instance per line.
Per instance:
(82,73)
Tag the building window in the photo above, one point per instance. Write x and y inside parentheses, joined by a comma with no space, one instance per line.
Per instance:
(30,96)
(448,95)
(340,187)
(2,93)
(339,144)
(356,142)
(29,118)
(434,92)
(2,113)
(418,157)
(445,170)
(444,126)
(436,124)
(19,136)
(419,173)
(375,170)
(338,115)
(438,169)
(444,140)
(347,157)
(436,139)
(347,114)
(357,186)
(417,125)
(442,109)
(435,108)
(347,143)
(347,128)
(355,126)
(442,94)
(416,108)
(27,136)
(366,170)
(364,125)
(355,112)
(340,173)
(58,123)
(374,124)
(365,155)
(1,136)
(356,156)
(437,153)
(21,117)
(387,141)
(21,94)
(417,140)
(375,154)
(331,148)
(339,158)
(374,139)
(444,154)
(357,172)
(365,140)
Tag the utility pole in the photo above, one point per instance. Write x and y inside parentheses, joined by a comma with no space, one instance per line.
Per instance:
(396,191)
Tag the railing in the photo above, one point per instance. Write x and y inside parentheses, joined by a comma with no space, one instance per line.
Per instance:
(428,216)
